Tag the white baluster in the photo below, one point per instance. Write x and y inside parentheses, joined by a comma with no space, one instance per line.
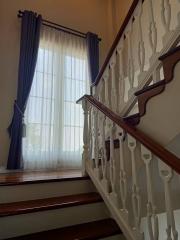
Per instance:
(90,136)
(156,75)
(166,174)
(178,17)
(113,166)
(104,180)
(85,155)
(136,197)
(166,19)
(123,177)
(121,86)
(151,208)
(141,48)
(152,33)
(96,143)
(101,91)
(131,72)
(114,93)
(166,14)
(106,83)
(96,92)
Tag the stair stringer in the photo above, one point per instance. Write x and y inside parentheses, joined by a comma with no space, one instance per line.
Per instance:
(142,181)
(161,119)
(115,211)
(158,192)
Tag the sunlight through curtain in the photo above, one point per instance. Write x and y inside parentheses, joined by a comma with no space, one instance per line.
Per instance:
(54,122)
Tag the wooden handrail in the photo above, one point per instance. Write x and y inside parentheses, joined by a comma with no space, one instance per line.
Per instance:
(119,35)
(162,153)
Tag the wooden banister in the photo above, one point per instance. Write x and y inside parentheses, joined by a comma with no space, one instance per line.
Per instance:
(159,151)
(119,35)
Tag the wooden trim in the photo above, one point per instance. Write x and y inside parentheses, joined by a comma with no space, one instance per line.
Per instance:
(114,45)
(23,178)
(148,88)
(147,94)
(169,61)
(165,155)
(169,53)
(23,207)
(133,119)
(85,231)
(44,181)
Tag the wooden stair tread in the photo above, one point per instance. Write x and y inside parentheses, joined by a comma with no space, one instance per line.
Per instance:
(169,61)
(169,53)
(86,231)
(149,88)
(23,207)
(143,96)
(33,177)
(131,116)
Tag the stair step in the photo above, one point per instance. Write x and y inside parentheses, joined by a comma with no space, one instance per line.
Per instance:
(16,208)
(24,186)
(143,96)
(150,87)
(34,177)
(132,119)
(86,231)
(169,53)
(114,237)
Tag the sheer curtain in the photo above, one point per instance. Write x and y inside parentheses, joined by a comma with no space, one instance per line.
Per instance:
(54,122)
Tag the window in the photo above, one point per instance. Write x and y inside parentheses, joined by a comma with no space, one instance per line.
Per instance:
(54,122)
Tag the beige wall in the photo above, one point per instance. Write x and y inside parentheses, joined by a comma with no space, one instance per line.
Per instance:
(100,16)
(120,9)
(116,13)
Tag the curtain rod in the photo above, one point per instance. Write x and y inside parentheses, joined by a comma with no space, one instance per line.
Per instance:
(59,27)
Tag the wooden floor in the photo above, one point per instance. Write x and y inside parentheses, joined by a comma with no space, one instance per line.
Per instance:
(15,178)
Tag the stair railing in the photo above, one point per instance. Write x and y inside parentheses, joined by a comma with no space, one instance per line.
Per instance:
(151,28)
(139,180)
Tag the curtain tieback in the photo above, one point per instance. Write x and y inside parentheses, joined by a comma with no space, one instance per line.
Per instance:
(18,108)
(22,114)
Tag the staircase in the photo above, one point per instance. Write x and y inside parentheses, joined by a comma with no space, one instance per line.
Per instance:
(53,208)
(130,152)
(134,106)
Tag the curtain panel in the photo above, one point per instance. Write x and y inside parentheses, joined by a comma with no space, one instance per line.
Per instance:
(30,33)
(93,55)
(54,122)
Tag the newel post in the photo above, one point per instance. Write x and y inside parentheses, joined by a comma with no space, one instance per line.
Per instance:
(85,154)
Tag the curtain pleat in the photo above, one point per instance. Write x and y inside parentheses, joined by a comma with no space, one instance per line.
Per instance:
(30,34)
(54,122)
(93,55)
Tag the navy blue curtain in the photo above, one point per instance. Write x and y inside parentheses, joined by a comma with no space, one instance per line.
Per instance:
(30,35)
(93,55)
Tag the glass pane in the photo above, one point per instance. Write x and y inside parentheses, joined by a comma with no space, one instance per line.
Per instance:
(69,117)
(34,137)
(37,85)
(72,138)
(67,92)
(47,117)
(48,85)
(34,110)
(68,67)
(40,60)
